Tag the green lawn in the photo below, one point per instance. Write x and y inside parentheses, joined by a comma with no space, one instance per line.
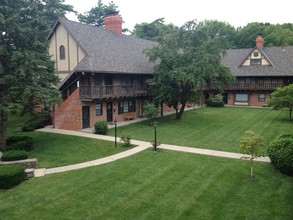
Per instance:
(54,150)
(166,185)
(213,128)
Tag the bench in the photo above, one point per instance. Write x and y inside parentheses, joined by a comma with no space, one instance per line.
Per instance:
(129,115)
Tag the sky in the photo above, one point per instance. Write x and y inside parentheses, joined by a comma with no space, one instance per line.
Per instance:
(236,13)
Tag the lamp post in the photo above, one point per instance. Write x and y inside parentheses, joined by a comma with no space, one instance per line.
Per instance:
(115,122)
(155,130)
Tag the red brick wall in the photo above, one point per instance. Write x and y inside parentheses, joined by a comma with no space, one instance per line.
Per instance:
(231,98)
(253,99)
(69,115)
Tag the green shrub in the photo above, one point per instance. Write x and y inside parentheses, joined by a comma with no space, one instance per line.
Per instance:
(10,176)
(39,120)
(14,155)
(101,127)
(281,153)
(20,143)
(126,138)
(215,103)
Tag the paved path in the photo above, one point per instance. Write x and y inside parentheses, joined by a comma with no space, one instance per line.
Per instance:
(141,145)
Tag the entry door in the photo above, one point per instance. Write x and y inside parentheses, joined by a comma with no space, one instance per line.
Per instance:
(225,98)
(109,111)
(85,116)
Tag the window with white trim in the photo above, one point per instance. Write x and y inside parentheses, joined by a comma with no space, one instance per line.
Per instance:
(261,97)
(126,106)
(99,109)
(241,97)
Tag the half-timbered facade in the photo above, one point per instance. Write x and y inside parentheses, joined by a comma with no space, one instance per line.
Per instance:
(258,72)
(103,73)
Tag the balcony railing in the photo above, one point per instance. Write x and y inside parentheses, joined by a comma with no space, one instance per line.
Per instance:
(249,86)
(99,92)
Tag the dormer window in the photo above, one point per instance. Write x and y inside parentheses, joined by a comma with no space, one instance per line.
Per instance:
(255,62)
(62,52)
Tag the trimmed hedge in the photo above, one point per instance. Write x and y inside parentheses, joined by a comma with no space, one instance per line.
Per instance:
(101,127)
(281,153)
(11,176)
(14,155)
(39,120)
(215,103)
(20,143)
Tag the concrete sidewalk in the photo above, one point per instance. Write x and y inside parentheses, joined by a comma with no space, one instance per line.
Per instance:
(141,145)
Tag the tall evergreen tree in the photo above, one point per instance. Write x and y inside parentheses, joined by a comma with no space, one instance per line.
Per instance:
(27,74)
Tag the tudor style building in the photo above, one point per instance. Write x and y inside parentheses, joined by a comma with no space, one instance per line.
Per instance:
(103,73)
(258,72)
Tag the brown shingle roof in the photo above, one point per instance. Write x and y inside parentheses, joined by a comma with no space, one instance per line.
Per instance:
(280,57)
(108,52)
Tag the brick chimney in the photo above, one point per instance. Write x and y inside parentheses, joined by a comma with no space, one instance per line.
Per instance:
(259,41)
(114,23)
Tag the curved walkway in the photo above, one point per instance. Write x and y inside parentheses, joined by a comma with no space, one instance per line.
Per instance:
(141,145)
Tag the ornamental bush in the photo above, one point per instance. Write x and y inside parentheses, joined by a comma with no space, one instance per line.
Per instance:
(10,176)
(101,127)
(14,155)
(126,138)
(216,102)
(281,153)
(20,143)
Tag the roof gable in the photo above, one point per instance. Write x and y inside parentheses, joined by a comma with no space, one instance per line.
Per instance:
(108,52)
(256,57)
(280,61)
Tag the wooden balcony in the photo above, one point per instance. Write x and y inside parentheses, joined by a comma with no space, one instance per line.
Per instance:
(249,86)
(114,91)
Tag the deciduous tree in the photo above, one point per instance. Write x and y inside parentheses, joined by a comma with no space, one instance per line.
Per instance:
(188,61)
(96,15)
(250,147)
(283,98)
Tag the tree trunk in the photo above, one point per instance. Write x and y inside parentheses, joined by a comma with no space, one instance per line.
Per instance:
(290,114)
(3,129)
(179,114)
(162,110)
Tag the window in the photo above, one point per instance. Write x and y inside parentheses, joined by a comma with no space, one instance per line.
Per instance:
(260,80)
(98,79)
(126,80)
(274,80)
(262,97)
(99,109)
(247,80)
(126,106)
(255,62)
(241,97)
(62,52)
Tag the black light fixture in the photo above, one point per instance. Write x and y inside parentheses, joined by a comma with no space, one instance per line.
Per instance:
(115,123)
(155,133)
